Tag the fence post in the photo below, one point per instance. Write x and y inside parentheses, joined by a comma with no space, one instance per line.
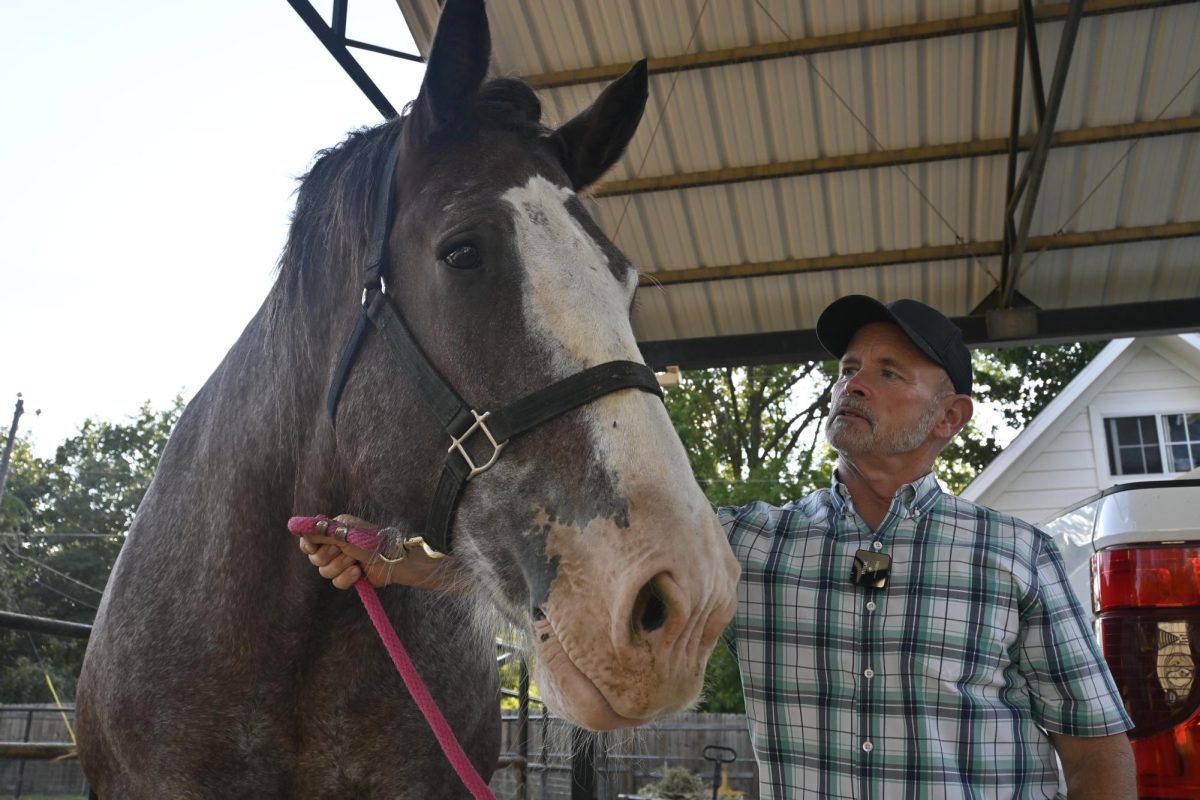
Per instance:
(523,731)
(21,763)
(583,767)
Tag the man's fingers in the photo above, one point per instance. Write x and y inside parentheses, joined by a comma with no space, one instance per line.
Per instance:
(335,566)
(321,555)
(347,579)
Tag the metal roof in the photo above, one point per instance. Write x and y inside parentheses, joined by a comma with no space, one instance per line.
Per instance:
(793,152)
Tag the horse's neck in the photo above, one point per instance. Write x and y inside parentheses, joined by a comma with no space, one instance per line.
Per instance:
(251,442)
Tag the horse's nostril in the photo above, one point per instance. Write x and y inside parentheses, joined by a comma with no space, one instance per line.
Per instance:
(538,614)
(649,610)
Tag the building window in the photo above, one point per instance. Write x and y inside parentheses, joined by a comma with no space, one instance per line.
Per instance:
(1183,441)
(1133,446)
(1153,444)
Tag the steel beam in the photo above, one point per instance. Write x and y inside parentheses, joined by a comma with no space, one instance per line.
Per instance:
(975,148)
(931,29)
(334,39)
(1036,165)
(1054,325)
(1014,140)
(917,255)
(1035,62)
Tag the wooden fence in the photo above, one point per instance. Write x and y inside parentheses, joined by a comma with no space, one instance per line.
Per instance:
(37,777)
(625,762)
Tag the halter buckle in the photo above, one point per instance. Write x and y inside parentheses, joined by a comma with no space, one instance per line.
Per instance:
(478,425)
(382,287)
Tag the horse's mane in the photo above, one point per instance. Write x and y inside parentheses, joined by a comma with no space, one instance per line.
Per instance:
(336,197)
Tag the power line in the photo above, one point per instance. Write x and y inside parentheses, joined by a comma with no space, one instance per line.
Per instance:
(66,535)
(64,595)
(52,570)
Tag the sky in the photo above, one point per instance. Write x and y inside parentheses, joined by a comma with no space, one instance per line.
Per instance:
(149,153)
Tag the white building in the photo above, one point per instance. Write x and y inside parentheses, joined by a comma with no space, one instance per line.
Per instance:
(1133,414)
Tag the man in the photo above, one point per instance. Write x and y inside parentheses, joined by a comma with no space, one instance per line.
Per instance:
(896,641)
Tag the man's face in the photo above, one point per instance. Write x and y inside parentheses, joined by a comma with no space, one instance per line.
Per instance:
(887,399)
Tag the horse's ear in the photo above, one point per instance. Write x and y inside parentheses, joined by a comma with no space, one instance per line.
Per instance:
(457,65)
(593,141)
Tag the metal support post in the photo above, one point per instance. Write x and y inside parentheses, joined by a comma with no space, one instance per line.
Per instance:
(1037,157)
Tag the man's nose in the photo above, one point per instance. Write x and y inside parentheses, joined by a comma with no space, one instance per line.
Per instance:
(856,384)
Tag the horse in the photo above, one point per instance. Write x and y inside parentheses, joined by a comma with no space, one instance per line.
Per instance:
(222,666)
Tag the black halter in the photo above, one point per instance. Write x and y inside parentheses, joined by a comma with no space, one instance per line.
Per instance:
(460,420)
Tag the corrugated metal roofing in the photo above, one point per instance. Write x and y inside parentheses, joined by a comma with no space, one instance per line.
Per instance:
(863,86)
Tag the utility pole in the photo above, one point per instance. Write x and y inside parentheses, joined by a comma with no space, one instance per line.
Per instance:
(8,446)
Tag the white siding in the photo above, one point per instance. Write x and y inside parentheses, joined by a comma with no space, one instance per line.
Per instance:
(1069,461)
(1062,472)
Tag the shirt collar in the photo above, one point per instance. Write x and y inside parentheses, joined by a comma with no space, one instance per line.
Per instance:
(912,499)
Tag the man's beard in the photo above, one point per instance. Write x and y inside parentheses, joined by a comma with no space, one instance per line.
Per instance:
(851,440)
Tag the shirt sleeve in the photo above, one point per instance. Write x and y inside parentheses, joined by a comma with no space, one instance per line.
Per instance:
(1070,688)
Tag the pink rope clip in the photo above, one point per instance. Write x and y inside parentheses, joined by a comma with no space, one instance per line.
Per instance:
(367,539)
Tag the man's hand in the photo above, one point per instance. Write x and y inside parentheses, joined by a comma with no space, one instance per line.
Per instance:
(344,563)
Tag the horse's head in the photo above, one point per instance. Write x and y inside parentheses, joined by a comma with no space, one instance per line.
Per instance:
(590,531)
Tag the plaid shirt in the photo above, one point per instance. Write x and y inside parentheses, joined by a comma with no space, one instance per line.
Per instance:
(940,685)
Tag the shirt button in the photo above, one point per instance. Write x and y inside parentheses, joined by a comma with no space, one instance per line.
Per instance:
(868,747)
(877,546)
(870,605)
(868,673)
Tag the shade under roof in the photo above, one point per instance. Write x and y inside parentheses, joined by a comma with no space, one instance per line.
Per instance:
(792,153)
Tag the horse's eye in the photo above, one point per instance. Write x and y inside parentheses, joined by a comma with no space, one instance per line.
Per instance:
(464,256)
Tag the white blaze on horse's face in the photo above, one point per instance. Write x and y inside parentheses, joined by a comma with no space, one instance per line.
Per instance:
(640,597)
(575,302)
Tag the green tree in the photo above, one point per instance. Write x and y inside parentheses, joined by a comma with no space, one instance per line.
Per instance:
(752,433)
(62,523)
(1019,382)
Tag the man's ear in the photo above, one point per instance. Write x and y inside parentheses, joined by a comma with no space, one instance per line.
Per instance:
(957,410)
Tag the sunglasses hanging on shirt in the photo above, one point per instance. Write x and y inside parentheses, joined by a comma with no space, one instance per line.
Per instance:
(871,569)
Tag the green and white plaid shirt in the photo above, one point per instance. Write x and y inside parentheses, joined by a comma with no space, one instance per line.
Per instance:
(940,685)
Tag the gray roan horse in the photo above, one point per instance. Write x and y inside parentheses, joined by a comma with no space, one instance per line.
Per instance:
(222,666)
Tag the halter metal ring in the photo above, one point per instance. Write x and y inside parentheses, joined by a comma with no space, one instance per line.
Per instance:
(382,287)
(411,543)
(478,425)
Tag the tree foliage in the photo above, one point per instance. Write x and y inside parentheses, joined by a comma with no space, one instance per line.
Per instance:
(62,523)
(1018,382)
(753,433)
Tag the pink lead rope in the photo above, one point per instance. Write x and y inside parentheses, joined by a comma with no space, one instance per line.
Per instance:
(367,540)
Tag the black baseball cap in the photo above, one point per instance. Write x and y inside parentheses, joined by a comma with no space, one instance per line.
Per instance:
(927,328)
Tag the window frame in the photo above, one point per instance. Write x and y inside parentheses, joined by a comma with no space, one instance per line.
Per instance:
(1100,418)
